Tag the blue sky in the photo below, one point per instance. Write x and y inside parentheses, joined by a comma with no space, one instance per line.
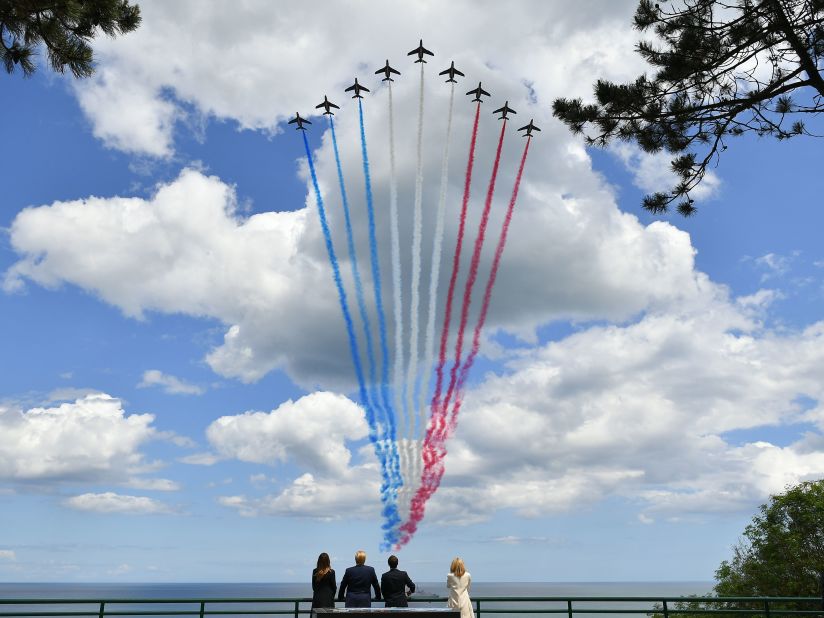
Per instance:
(177,400)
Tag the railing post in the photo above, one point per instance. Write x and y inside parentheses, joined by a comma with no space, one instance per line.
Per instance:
(478,608)
(666,609)
(102,609)
(297,608)
(766,608)
(202,608)
(569,608)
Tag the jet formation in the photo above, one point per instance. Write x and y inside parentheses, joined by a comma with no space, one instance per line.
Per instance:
(387,71)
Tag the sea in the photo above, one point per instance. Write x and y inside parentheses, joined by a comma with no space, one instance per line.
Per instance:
(136,594)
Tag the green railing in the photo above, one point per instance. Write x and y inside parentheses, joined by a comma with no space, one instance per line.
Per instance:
(661,607)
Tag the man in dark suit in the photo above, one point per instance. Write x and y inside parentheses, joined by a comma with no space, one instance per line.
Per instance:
(394,584)
(356,582)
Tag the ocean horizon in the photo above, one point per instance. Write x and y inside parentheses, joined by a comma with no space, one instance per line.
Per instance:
(303,589)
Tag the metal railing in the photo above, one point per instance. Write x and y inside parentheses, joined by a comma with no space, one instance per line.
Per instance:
(660,607)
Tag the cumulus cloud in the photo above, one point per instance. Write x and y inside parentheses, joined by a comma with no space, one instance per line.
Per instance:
(153,484)
(169,383)
(89,439)
(646,411)
(311,431)
(652,172)
(109,502)
(264,60)
(7,554)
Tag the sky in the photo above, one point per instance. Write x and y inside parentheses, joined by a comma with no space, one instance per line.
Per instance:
(177,397)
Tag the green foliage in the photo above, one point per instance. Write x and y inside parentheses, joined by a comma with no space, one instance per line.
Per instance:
(64,27)
(707,85)
(782,552)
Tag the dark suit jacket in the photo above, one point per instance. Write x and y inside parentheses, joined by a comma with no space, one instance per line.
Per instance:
(354,586)
(394,584)
(323,591)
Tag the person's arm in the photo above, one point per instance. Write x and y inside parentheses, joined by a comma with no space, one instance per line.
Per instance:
(376,585)
(468,582)
(334,583)
(410,584)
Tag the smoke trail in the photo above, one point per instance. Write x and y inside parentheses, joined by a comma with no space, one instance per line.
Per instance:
(414,307)
(436,424)
(367,328)
(389,511)
(435,455)
(499,250)
(434,277)
(433,451)
(396,262)
(473,271)
(389,418)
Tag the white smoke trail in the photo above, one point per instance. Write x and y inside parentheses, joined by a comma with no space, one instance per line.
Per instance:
(397,363)
(414,305)
(434,277)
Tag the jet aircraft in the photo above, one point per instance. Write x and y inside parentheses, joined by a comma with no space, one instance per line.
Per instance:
(327,104)
(478,92)
(452,72)
(300,121)
(503,111)
(529,128)
(386,70)
(420,51)
(357,88)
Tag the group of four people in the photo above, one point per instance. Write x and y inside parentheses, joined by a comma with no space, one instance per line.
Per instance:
(394,588)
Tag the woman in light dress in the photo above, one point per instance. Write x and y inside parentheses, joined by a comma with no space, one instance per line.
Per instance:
(459,582)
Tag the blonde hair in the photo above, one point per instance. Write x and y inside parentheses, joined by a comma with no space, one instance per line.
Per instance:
(457,567)
(360,556)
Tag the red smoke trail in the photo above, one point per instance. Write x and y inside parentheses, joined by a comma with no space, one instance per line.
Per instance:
(436,425)
(473,273)
(476,337)
(434,454)
(433,451)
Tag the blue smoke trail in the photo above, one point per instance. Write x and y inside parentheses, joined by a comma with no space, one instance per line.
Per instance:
(376,276)
(367,327)
(390,510)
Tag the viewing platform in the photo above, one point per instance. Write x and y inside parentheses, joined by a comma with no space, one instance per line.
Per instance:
(428,607)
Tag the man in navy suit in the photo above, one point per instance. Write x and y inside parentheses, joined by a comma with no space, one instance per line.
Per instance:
(356,583)
(394,584)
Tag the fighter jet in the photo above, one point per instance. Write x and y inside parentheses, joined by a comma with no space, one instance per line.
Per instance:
(386,70)
(478,92)
(420,51)
(452,72)
(300,121)
(503,111)
(357,88)
(529,128)
(327,104)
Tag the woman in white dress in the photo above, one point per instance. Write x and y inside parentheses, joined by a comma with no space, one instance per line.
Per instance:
(459,582)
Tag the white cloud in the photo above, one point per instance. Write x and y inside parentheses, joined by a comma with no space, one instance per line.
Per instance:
(153,484)
(109,502)
(89,439)
(353,494)
(653,172)
(7,554)
(258,63)
(169,383)
(643,411)
(200,459)
(311,431)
